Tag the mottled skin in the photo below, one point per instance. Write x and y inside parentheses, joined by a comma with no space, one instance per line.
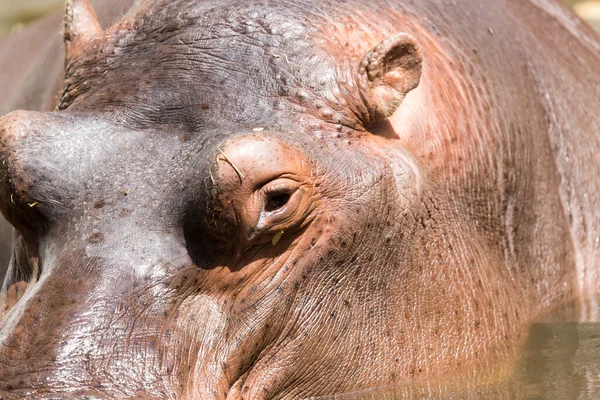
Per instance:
(150,260)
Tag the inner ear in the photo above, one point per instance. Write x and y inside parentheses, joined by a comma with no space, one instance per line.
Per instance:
(387,73)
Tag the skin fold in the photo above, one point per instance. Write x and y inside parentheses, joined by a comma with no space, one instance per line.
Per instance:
(259,199)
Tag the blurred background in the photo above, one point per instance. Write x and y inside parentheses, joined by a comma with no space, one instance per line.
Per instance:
(587,9)
(15,14)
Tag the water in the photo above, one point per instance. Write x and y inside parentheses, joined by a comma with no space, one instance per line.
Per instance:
(560,360)
(563,360)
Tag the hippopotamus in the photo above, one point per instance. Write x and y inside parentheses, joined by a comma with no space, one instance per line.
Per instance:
(280,199)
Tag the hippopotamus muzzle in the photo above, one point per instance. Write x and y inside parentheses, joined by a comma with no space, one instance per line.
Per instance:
(120,256)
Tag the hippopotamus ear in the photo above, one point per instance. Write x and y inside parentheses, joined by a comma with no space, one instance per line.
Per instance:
(387,73)
(80,26)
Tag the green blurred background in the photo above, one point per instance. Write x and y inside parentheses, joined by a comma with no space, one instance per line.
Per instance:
(15,14)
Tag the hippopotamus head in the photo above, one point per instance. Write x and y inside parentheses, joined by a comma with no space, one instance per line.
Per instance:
(220,207)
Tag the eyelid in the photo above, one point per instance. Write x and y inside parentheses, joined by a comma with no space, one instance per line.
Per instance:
(279,190)
(276,180)
(280,187)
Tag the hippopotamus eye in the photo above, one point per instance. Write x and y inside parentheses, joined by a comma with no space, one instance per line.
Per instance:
(277,207)
(281,199)
(276,201)
(278,194)
(281,205)
(265,187)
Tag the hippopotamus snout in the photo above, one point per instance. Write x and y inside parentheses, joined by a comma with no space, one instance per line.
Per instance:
(84,340)
(94,246)
(82,267)
(56,165)
(22,134)
(43,161)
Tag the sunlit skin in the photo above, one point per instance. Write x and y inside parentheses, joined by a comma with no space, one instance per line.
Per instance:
(278,199)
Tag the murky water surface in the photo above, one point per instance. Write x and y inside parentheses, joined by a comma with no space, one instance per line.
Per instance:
(560,360)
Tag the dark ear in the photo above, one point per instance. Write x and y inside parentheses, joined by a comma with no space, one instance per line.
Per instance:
(387,73)
(80,26)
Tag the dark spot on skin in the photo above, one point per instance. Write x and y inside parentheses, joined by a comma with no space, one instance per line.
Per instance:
(100,204)
(184,138)
(346,303)
(97,237)
(204,106)
(280,290)
(333,315)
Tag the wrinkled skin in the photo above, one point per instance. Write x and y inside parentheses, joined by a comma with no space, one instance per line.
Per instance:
(223,209)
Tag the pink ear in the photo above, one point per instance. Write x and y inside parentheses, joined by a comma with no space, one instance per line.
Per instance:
(80,25)
(387,73)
